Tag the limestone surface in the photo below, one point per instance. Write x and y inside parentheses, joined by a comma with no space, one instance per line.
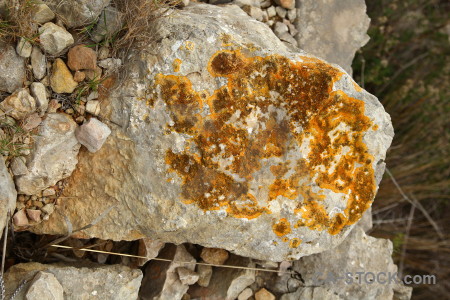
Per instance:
(12,68)
(224,137)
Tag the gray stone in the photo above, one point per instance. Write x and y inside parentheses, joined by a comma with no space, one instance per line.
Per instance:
(38,63)
(358,253)
(197,155)
(242,279)
(93,107)
(76,13)
(242,3)
(187,276)
(281,12)
(31,122)
(19,105)
(54,39)
(8,194)
(286,37)
(312,293)
(92,134)
(39,93)
(24,47)
(42,13)
(20,218)
(12,69)
(280,28)
(109,23)
(45,286)
(254,12)
(92,281)
(245,294)
(333,30)
(54,154)
(271,12)
(149,248)
(110,64)
(292,15)
(205,273)
(48,209)
(18,166)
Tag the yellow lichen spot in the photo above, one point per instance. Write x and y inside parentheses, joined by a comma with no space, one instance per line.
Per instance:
(375,127)
(282,227)
(285,239)
(295,242)
(177,65)
(189,45)
(227,40)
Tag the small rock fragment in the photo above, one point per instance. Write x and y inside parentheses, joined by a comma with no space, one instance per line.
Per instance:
(110,64)
(18,166)
(187,276)
(81,57)
(94,74)
(205,273)
(39,93)
(8,194)
(271,12)
(48,208)
(245,294)
(48,192)
(288,4)
(31,122)
(280,28)
(93,107)
(34,215)
(92,134)
(53,106)
(292,15)
(149,248)
(42,13)
(45,286)
(243,279)
(54,39)
(76,13)
(61,80)
(214,256)
(254,12)
(38,63)
(20,218)
(19,105)
(286,37)
(264,294)
(281,12)
(79,76)
(24,47)
(12,69)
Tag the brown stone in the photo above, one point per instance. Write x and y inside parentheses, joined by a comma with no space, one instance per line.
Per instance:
(79,76)
(34,215)
(20,218)
(264,294)
(81,57)
(214,256)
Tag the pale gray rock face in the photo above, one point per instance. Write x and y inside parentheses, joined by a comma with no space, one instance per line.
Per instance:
(76,13)
(54,39)
(45,286)
(53,157)
(115,282)
(12,69)
(358,253)
(228,139)
(332,30)
(8,194)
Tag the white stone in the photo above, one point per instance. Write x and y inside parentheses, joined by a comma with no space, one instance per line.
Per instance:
(39,93)
(42,13)
(93,107)
(54,39)
(12,69)
(45,286)
(245,294)
(24,47)
(38,63)
(92,134)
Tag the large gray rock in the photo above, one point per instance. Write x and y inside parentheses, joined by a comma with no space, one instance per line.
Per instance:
(53,157)
(54,39)
(12,68)
(227,139)
(333,30)
(358,253)
(45,286)
(93,281)
(8,195)
(19,105)
(76,13)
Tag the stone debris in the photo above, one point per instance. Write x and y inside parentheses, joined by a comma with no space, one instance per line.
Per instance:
(109,24)
(12,69)
(264,294)
(24,48)
(93,107)
(61,80)
(18,166)
(20,218)
(149,248)
(92,134)
(19,105)
(77,13)
(110,64)
(39,92)
(38,63)
(187,276)
(205,273)
(245,294)
(214,256)
(54,39)
(115,282)
(42,13)
(31,122)
(79,76)
(53,157)
(81,57)
(45,286)
(34,215)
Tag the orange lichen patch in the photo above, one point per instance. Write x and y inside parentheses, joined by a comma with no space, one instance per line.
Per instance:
(294,243)
(282,227)
(268,107)
(176,65)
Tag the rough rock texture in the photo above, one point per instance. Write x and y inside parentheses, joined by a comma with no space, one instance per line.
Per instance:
(333,30)
(38,62)
(233,135)
(116,282)
(54,39)
(54,154)
(76,13)
(12,69)
(358,253)
(8,194)
(61,80)
(45,286)
(19,105)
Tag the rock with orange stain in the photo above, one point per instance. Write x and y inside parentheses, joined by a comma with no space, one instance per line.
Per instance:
(230,140)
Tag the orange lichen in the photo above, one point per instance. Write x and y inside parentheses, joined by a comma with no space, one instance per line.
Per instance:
(269,106)
(295,242)
(282,227)
(176,65)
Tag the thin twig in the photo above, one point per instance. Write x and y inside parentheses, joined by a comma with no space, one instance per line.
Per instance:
(401,265)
